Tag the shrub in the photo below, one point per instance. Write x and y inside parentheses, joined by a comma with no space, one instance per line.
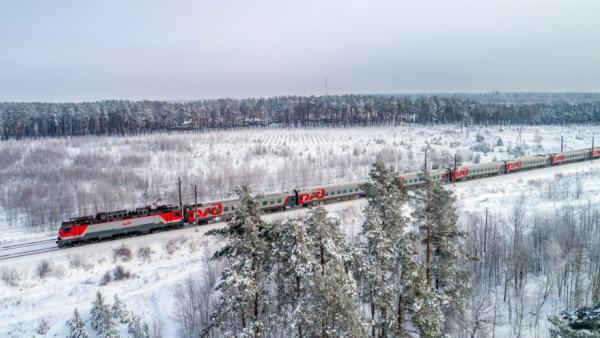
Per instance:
(106,278)
(120,273)
(76,262)
(174,244)
(10,277)
(122,253)
(44,269)
(482,147)
(144,252)
(117,274)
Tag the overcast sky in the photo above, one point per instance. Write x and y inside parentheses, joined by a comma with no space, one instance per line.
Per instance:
(90,50)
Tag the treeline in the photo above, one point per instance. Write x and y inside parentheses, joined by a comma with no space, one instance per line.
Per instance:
(23,120)
(303,278)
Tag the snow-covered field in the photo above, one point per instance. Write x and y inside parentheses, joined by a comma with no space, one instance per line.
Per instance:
(161,262)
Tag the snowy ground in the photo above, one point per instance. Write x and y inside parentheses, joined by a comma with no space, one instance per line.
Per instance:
(179,254)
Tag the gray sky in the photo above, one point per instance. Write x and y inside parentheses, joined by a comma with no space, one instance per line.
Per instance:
(90,50)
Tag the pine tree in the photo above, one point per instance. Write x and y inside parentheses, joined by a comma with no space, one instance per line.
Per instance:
(334,295)
(43,327)
(119,310)
(293,270)
(136,328)
(428,316)
(76,326)
(97,307)
(410,282)
(445,259)
(242,307)
(381,253)
(101,318)
(106,327)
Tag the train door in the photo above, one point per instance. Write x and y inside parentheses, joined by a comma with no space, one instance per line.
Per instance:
(447,176)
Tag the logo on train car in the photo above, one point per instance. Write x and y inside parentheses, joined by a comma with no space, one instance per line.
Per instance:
(128,223)
(211,210)
(513,165)
(558,158)
(317,194)
(462,172)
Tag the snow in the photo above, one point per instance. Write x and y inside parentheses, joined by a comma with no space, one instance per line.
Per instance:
(149,292)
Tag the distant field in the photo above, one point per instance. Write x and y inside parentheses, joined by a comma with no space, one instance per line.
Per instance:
(49,180)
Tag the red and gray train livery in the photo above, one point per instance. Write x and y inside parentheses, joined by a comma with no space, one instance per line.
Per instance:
(147,219)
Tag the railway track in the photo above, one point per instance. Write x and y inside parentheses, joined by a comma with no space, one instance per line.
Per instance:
(27,253)
(27,244)
(26,249)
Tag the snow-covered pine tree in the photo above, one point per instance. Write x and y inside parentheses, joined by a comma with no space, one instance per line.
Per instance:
(424,208)
(119,310)
(445,259)
(410,282)
(583,322)
(101,318)
(334,295)
(381,253)
(43,327)
(136,328)
(427,312)
(242,307)
(293,269)
(450,269)
(106,326)
(97,307)
(76,326)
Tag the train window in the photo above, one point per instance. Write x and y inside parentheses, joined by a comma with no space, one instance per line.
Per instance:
(278,201)
(226,209)
(344,191)
(332,193)
(264,203)
(327,193)
(272,202)
(339,192)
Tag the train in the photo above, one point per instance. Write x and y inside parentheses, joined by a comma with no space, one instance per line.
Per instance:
(147,219)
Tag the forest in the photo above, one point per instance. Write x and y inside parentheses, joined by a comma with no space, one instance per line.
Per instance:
(32,120)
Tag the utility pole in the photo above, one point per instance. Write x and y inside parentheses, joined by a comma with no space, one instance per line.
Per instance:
(196,204)
(455,167)
(592,151)
(561,144)
(425,168)
(180,203)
